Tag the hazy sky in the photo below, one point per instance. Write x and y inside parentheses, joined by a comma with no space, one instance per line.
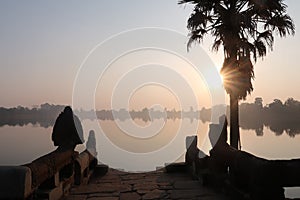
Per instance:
(43,43)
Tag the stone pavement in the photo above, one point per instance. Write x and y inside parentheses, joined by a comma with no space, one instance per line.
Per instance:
(118,185)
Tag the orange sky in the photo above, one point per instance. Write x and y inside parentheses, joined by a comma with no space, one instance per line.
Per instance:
(43,45)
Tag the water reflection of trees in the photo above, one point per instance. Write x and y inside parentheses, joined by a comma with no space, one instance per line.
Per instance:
(280,117)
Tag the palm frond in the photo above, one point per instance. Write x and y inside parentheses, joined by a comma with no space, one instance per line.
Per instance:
(281,23)
(261,48)
(196,36)
(216,45)
(268,37)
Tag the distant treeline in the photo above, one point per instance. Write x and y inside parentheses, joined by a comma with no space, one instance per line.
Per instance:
(145,114)
(44,115)
(279,116)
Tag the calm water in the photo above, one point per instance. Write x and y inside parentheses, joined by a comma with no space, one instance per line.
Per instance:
(119,144)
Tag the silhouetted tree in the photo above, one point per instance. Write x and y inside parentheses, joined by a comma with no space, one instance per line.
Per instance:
(259,102)
(245,29)
(276,107)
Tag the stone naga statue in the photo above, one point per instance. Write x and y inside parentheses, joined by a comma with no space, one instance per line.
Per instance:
(67,130)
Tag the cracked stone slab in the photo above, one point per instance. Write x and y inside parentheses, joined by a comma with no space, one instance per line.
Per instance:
(130,196)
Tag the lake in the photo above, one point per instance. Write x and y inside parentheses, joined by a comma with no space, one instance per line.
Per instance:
(121,144)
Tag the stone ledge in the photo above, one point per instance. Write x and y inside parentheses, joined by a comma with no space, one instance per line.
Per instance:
(15,182)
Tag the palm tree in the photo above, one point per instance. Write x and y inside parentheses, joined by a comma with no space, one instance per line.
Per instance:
(245,29)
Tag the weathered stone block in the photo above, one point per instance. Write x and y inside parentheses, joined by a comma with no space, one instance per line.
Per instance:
(100,170)
(15,182)
(51,194)
(176,167)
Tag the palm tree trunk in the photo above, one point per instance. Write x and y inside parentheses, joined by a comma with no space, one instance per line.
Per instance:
(234,121)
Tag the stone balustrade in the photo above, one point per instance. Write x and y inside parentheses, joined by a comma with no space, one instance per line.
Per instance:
(241,174)
(50,176)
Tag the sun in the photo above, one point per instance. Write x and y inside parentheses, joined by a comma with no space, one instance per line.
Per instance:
(222,78)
